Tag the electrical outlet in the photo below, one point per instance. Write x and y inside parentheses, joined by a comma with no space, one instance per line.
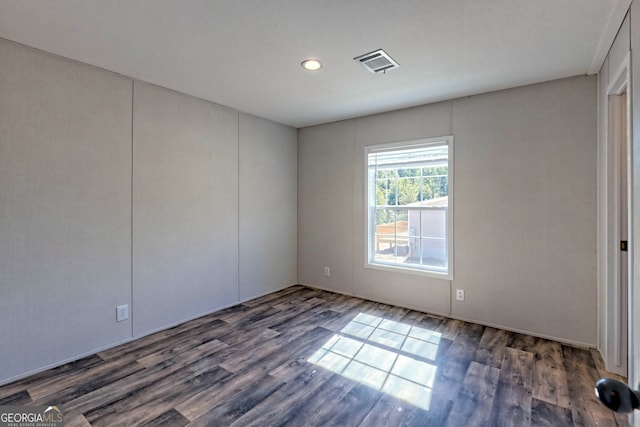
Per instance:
(460,294)
(327,272)
(122,313)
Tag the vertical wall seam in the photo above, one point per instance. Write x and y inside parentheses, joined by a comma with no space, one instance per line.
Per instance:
(598,203)
(297,205)
(355,152)
(131,310)
(454,213)
(451,117)
(238,199)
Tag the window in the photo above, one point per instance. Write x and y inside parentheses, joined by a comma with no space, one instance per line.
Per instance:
(409,189)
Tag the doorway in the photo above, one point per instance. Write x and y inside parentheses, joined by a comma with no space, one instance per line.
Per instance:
(618,225)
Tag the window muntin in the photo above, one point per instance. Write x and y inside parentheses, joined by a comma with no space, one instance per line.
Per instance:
(408,203)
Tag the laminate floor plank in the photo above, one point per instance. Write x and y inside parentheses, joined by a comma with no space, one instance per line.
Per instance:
(549,375)
(351,305)
(397,314)
(157,400)
(51,374)
(76,420)
(229,311)
(251,316)
(352,408)
(87,383)
(242,336)
(284,315)
(439,412)
(389,412)
(303,305)
(453,366)
(377,309)
(512,401)
(239,403)
(288,398)
(199,404)
(412,317)
(319,405)
(473,405)
(547,414)
(435,323)
(122,368)
(161,340)
(335,298)
(156,397)
(582,375)
(203,346)
(292,368)
(306,357)
(276,351)
(171,418)
(300,297)
(449,329)
(306,320)
(339,321)
(19,398)
(131,384)
(521,342)
(492,347)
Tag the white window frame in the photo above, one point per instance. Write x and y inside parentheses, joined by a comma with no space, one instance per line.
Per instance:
(369,232)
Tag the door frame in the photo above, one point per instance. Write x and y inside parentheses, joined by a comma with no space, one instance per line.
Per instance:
(618,342)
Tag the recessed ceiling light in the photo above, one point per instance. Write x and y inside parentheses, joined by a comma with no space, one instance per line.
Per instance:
(311,64)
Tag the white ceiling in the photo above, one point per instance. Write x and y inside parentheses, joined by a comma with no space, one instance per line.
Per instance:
(246,54)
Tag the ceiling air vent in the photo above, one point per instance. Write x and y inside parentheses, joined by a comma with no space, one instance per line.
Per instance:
(377,61)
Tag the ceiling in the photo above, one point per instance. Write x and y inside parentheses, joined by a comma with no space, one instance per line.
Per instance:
(246,54)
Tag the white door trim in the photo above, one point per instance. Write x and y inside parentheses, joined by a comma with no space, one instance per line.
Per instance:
(618,304)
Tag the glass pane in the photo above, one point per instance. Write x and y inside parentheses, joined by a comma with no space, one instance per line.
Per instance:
(433,223)
(384,235)
(385,187)
(434,233)
(391,236)
(427,244)
(408,186)
(435,186)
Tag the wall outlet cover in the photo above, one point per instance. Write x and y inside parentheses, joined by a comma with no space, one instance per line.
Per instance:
(122,313)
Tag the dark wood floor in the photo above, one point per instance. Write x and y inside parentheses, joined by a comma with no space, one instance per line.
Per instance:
(373,365)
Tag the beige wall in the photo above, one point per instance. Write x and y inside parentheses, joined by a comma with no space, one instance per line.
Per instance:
(325,205)
(524,208)
(65,203)
(268,206)
(185,207)
(78,145)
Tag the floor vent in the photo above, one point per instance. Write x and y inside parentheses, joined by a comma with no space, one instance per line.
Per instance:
(377,61)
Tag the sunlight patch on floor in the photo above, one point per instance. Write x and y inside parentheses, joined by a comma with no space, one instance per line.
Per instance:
(389,356)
